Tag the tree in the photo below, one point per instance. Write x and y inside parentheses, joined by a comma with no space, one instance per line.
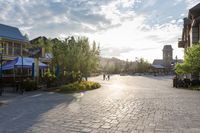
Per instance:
(75,55)
(26,36)
(182,69)
(142,66)
(192,61)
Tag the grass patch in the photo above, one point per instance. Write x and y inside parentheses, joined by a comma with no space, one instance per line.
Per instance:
(77,87)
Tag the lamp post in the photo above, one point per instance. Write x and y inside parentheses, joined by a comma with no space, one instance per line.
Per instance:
(175,79)
(22,75)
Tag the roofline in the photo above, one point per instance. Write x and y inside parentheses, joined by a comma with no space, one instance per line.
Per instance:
(13,39)
(9,26)
(192,10)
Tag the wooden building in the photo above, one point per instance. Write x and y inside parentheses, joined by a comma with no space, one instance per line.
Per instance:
(191,33)
(191,28)
(13,42)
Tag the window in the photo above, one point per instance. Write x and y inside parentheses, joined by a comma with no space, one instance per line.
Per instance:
(195,34)
(10,48)
(17,49)
(3,45)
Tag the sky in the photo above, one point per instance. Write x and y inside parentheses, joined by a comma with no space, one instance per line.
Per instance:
(126,29)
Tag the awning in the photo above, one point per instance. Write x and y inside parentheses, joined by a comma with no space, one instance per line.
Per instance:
(17,63)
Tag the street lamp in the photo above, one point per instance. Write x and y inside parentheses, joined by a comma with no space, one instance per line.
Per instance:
(175,79)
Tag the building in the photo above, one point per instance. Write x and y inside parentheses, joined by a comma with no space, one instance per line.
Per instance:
(13,42)
(15,46)
(191,28)
(167,56)
(166,64)
(42,53)
(191,32)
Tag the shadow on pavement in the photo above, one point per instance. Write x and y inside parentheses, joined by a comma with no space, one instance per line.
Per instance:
(21,112)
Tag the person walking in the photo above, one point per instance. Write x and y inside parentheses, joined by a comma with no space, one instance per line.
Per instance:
(104,76)
(108,77)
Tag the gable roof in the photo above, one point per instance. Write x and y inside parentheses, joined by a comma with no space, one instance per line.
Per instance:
(36,40)
(11,33)
(158,62)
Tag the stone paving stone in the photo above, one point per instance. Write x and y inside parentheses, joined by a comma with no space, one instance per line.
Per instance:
(128,104)
(106,126)
(86,130)
(95,125)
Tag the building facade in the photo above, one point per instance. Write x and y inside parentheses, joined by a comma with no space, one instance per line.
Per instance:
(191,33)
(12,42)
(191,28)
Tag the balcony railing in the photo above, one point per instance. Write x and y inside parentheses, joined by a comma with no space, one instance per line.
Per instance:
(181,43)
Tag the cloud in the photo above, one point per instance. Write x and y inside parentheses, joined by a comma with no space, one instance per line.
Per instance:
(120,51)
(124,28)
(191,3)
(73,16)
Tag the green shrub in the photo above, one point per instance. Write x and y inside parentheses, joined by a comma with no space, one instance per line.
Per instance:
(78,86)
(49,78)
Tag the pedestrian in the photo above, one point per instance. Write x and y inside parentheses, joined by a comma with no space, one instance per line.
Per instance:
(104,76)
(108,77)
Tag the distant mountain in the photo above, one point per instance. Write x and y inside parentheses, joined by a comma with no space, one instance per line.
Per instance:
(111,65)
(104,61)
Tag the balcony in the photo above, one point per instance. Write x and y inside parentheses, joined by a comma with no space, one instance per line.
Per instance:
(181,43)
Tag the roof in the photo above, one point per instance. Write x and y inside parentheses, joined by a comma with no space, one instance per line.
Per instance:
(178,61)
(36,40)
(158,66)
(158,62)
(167,47)
(11,33)
(195,11)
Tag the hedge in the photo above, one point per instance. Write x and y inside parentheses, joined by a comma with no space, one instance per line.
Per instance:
(78,87)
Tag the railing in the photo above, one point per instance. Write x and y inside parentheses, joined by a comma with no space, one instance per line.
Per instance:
(181,43)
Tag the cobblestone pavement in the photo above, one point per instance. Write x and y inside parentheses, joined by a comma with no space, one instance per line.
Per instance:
(123,104)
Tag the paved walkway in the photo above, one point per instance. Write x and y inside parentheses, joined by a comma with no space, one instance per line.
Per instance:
(123,104)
